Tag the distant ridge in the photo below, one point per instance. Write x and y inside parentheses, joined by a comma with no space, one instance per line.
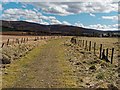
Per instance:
(39,29)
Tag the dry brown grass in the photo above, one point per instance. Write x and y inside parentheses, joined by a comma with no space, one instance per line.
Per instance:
(106,43)
(92,71)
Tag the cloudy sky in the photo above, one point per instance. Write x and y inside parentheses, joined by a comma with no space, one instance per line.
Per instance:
(95,15)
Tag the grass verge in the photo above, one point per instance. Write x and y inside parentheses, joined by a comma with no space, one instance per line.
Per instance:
(12,72)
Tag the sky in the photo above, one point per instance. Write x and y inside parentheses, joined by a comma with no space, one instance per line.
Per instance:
(94,15)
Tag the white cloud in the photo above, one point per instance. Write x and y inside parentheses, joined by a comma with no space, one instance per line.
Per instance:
(99,26)
(93,15)
(104,27)
(79,24)
(55,21)
(28,15)
(66,23)
(45,23)
(51,17)
(44,17)
(24,6)
(16,14)
(62,1)
(67,8)
(110,17)
(0,6)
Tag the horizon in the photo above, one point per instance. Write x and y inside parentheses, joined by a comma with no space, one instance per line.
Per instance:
(62,25)
(92,15)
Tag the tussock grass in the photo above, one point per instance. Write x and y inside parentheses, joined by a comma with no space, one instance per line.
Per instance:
(15,68)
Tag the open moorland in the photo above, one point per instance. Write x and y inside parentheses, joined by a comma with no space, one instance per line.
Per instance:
(60,62)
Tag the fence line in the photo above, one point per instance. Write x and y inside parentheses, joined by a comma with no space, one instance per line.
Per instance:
(103,53)
(25,40)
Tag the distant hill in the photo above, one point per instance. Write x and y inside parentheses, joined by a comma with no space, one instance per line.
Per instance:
(39,29)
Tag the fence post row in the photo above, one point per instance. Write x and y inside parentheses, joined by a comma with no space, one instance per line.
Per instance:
(103,52)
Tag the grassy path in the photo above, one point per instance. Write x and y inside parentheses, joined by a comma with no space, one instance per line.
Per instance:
(45,66)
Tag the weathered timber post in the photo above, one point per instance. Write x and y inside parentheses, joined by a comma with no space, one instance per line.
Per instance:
(86,45)
(8,42)
(94,47)
(80,42)
(107,54)
(18,41)
(90,46)
(72,40)
(83,43)
(100,51)
(13,42)
(75,41)
(112,55)
(27,39)
(44,37)
(103,54)
(2,45)
(21,40)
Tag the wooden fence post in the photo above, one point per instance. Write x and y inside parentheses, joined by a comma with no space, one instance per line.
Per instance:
(18,41)
(86,45)
(21,40)
(27,39)
(80,42)
(83,43)
(100,51)
(75,40)
(8,42)
(13,42)
(103,54)
(94,47)
(2,45)
(90,46)
(112,55)
(107,54)
(72,40)
(24,40)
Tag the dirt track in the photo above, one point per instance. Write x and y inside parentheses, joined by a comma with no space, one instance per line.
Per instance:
(48,69)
